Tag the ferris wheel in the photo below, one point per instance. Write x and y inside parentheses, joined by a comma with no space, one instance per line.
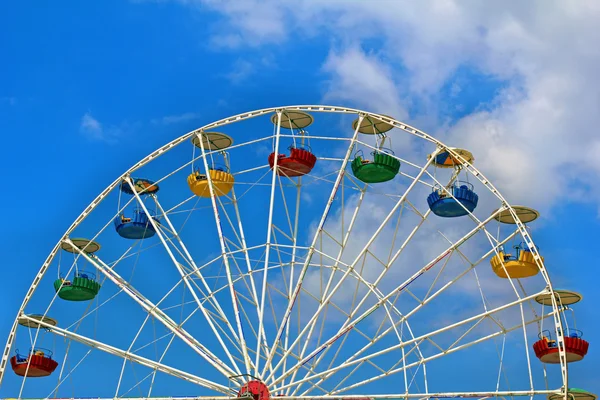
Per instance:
(301,252)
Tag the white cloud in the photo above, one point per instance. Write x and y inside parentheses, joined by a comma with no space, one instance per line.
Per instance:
(536,140)
(241,70)
(256,23)
(11,101)
(175,119)
(91,127)
(362,79)
(94,130)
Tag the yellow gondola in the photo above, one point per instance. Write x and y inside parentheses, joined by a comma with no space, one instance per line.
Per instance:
(221,179)
(520,266)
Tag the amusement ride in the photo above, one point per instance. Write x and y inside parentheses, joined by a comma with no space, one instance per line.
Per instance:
(307,258)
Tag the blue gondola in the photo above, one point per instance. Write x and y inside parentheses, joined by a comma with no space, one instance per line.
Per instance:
(464,201)
(136,227)
(136,223)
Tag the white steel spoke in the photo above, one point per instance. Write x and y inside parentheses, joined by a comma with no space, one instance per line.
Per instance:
(180,270)
(310,345)
(336,263)
(342,279)
(419,339)
(267,252)
(347,327)
(423,302)
(155,311)
(444,352)
(238,319)
(130,356)
(195,270)
(311,251)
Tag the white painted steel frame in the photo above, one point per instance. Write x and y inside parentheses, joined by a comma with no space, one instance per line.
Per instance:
(184,276)
(311,250)
(225,256)
(156,312)
(330,109)
(267,253)
(131,356)
(350,268)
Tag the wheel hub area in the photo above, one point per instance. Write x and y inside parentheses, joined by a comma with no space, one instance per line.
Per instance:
(255,389)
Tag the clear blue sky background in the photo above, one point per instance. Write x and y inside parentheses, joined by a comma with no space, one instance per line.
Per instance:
(89,88)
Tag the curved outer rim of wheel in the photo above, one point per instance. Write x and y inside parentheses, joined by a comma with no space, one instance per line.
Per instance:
(264,112)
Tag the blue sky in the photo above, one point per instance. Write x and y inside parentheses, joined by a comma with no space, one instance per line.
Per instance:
(89,89)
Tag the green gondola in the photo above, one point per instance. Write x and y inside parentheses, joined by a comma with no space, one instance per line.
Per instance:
(382,168)
(83,287)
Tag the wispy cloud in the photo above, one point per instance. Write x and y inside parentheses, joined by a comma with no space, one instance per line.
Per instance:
(364,80)
(241,70)
(175,119)
(548,107)
(11,101)
(255,23)
(93,129)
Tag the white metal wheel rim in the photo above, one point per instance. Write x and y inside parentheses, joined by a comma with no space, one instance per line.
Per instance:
(384,119)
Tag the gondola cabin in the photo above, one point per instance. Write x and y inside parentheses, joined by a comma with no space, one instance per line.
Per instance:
(221,179)
(382,167)
(301,159)
(458,200)
(135,226)
(82,287)
(518,265)
(546,349)
(299,162)
(38,363)
(220,176)
(134,223)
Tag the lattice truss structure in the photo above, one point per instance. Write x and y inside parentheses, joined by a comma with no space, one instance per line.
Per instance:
(296,252)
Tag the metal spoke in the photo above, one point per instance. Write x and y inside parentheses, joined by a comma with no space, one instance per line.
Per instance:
(311,250)
(418,339)
(154,311)
(180,269)
(225,256)
(325,337)
(130,356)
(344,330)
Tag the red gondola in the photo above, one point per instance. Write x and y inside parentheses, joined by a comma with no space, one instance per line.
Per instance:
(546,349)
(300,162)
(301,159)
(38,363)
